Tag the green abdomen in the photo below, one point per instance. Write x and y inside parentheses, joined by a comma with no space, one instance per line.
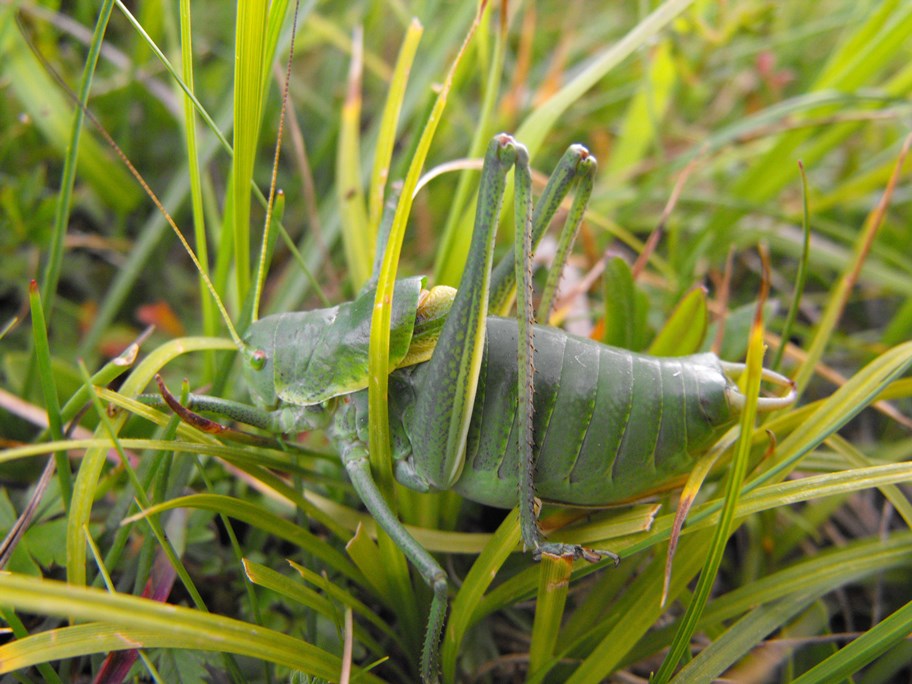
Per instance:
(610,425)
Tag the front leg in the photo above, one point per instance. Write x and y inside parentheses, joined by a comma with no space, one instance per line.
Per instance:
(357,463)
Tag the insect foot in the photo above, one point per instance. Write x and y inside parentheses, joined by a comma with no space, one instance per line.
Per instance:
(575,552)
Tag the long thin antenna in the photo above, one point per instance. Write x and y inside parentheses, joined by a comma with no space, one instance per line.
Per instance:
(262,265)
(180,236)
(232,331)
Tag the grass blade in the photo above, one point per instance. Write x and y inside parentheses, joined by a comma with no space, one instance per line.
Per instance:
(131,622)
(357,237)
(250,65)
(553,586)
(387,129)
(209,314)
(61,216)
(736,475)
(49,389)
(86,484)
(379,437)
(863,650)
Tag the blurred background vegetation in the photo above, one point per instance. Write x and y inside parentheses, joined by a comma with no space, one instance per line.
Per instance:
(702,107)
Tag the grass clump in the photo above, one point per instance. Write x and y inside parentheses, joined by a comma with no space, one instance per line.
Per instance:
(699,114)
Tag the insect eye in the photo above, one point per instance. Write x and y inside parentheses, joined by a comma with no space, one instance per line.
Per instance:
(258,359)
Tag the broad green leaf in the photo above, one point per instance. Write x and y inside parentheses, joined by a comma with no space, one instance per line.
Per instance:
(685,329)
(621,319)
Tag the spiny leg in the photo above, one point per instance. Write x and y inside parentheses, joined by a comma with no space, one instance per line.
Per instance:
(444,406)
(524,227)
(586,173)
(280,421)
(525,362)
(357,463)
(576,163)
(445,398)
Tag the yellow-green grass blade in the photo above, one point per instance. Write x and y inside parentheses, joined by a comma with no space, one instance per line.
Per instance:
(250,65)
(379,344)
(133,622)
(685,329)
(273,227)
(767,497)
(357,238)
(142,500)
(625,310)
(736,474)
(276,20)
(800,277)
(261,518)
(386,136)
(379,437)
(209,313)
(642,123)
(609,524)
(49,390)
(345,598)
(255,462)
(478,580)
(300,593)
(454,242)
(238,454)
(256,39)
(831,414)
(685,501)
(554,583)
(275,203)
(84,488)
(589,614)
(365,554)
(112,370)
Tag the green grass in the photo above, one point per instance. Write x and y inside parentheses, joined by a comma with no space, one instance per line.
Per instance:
(699,114)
